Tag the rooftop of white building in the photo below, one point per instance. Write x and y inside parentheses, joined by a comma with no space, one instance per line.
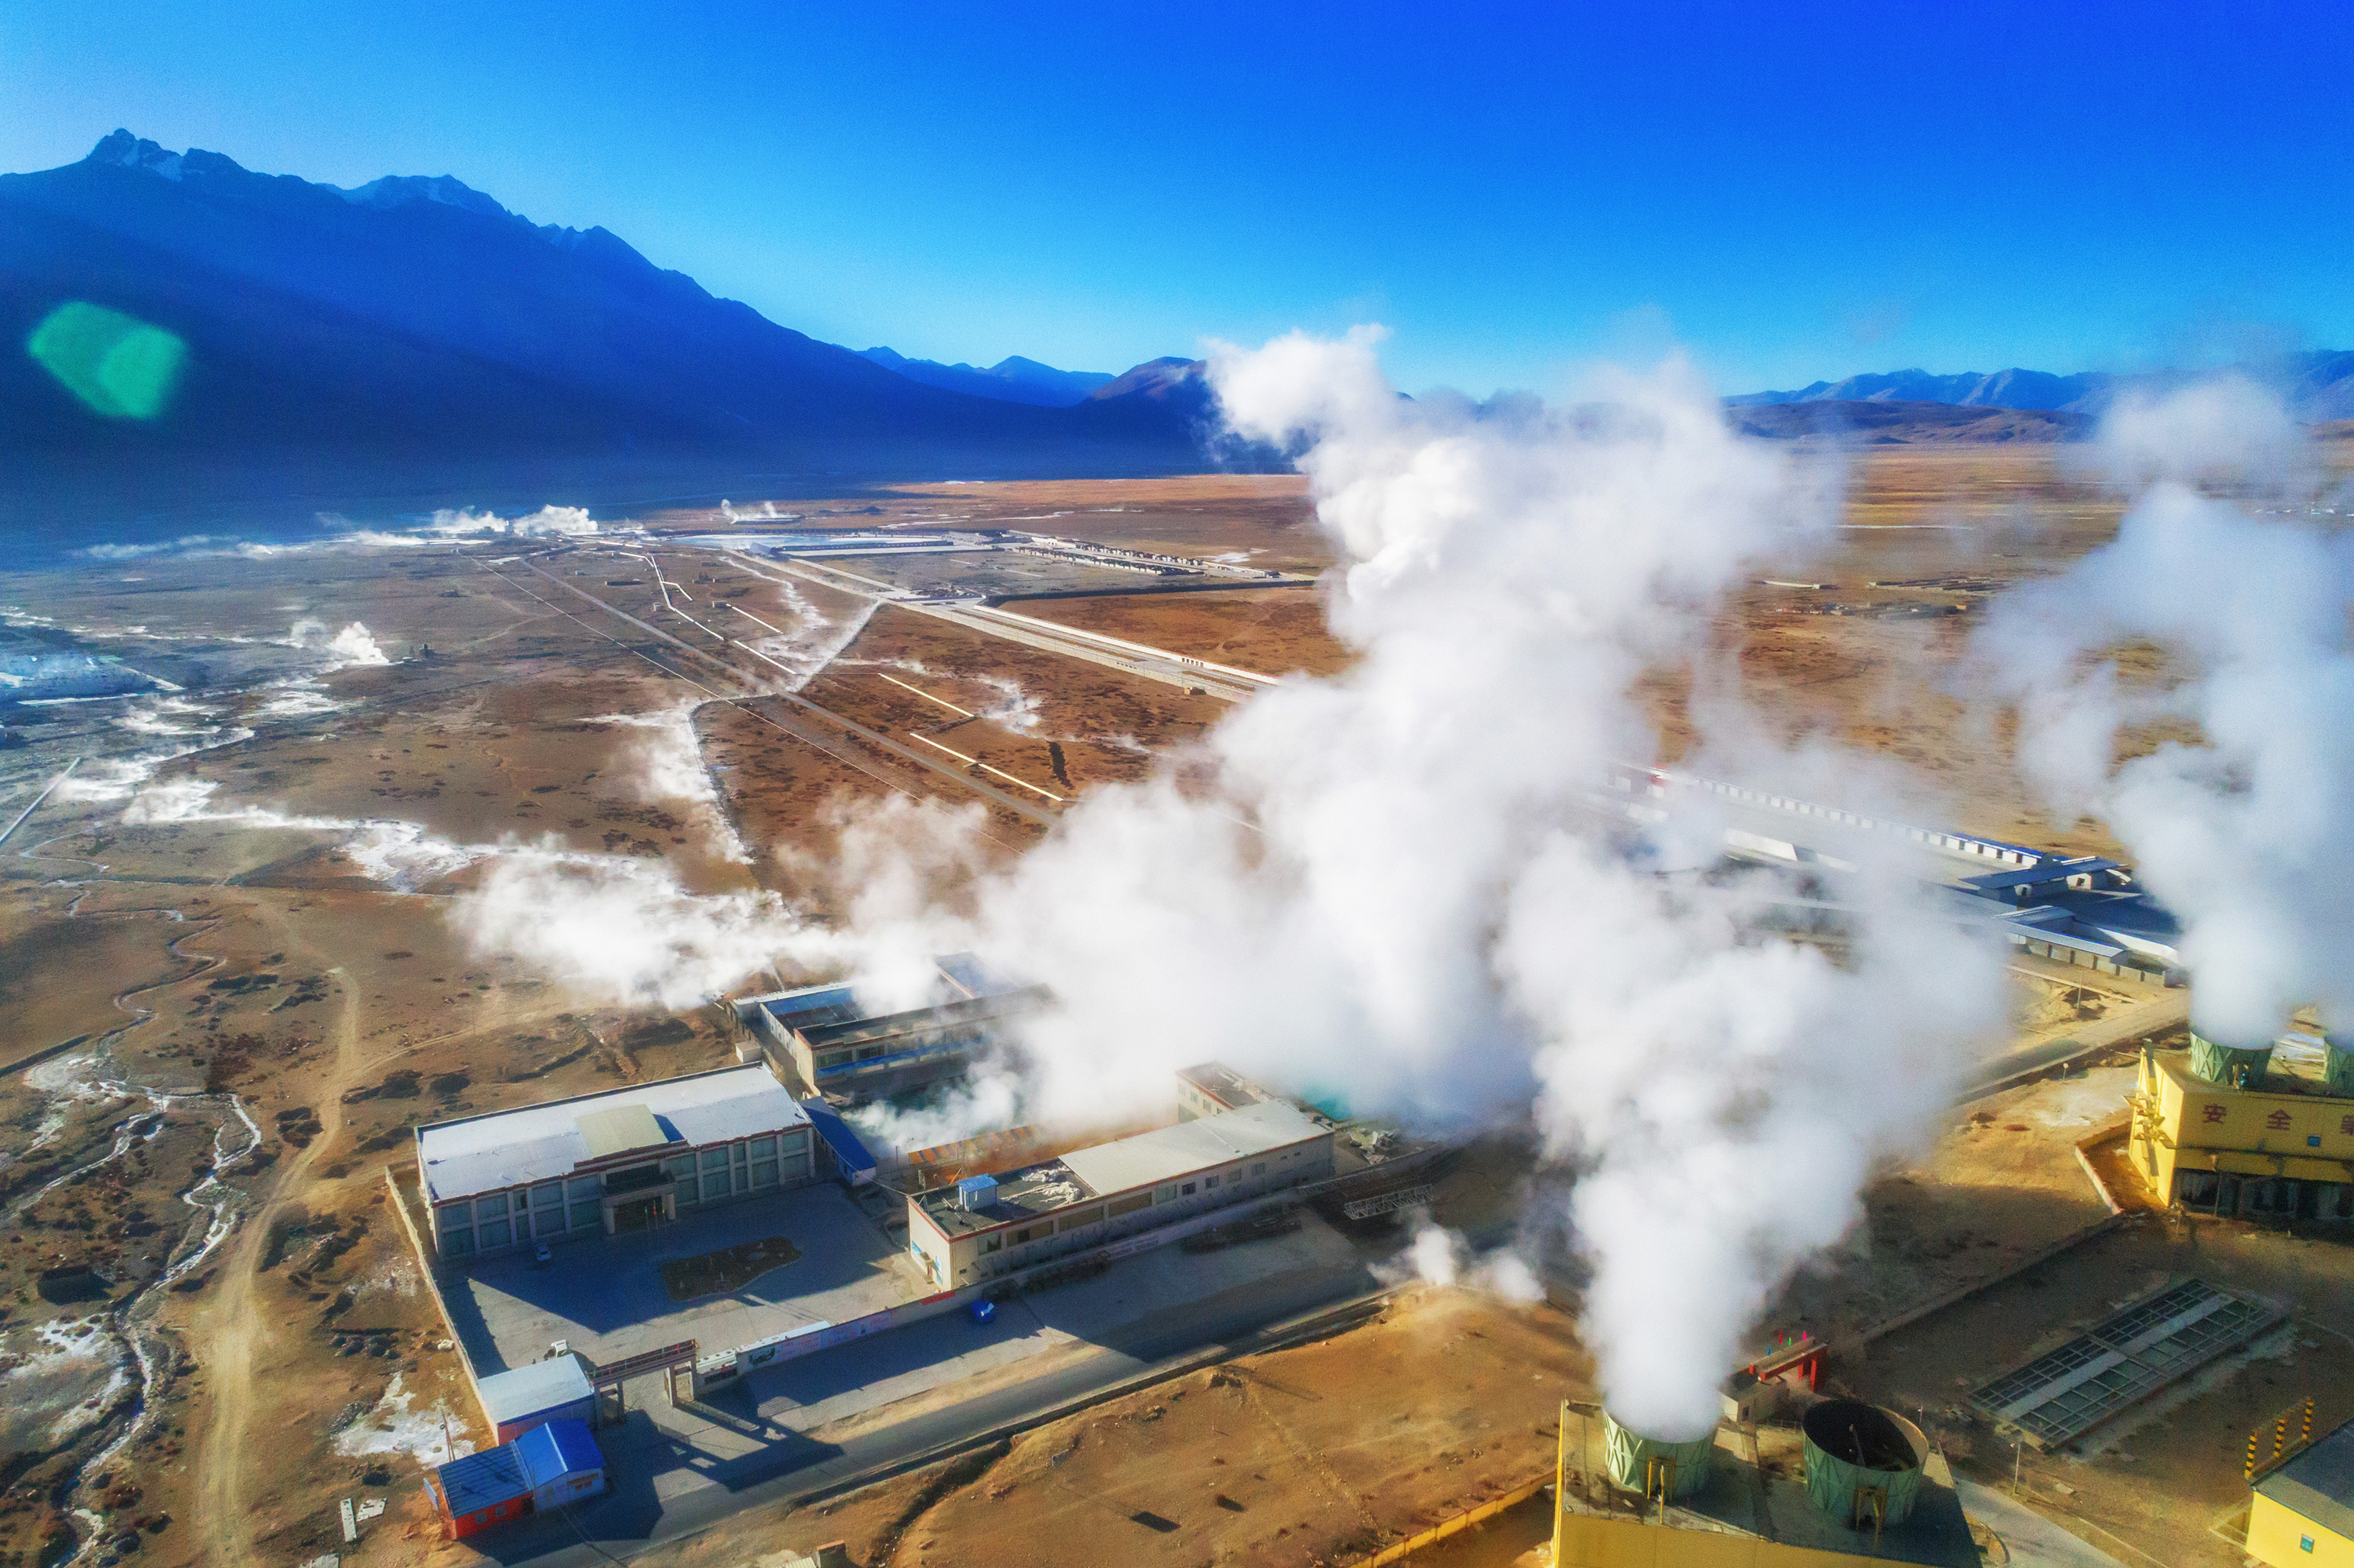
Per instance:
(500,1150)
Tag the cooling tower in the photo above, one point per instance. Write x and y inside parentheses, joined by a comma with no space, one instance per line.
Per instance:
(2337,1064)
(1863,1463)
(2229,1064)
(1652,1467)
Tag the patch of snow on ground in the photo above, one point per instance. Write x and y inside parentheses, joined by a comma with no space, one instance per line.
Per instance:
(396,1426)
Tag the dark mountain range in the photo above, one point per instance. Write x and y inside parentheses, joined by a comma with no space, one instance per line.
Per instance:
(2319,386)
(415,325)
(1012,380)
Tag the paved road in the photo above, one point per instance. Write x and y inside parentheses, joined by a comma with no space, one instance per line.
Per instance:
(2125,1026)
(1136,659)
(1129,658)
(634,1517)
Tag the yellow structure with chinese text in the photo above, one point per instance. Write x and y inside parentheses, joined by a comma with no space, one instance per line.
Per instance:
(2279,1142)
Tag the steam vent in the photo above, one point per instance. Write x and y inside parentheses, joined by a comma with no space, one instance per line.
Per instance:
(1862,1464)
(2337,1064)
(1839,1484)
(1654,1467)
(2235,1067)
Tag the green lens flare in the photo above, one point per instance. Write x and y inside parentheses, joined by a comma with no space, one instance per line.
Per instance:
(117,365)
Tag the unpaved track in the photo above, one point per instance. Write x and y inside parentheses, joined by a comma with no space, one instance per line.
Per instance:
(233,1325)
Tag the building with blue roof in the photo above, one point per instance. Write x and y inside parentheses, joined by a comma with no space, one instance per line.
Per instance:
(561,1463)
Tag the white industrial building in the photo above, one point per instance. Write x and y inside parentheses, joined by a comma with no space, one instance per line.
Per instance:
(623,1160)
(987,1226)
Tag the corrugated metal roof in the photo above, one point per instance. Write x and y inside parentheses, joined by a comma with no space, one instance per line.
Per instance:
(2318,1484)
(481,1480)
(839,1135)
(558,1449)
(1167,1153)
(540,1385)
(542,1142)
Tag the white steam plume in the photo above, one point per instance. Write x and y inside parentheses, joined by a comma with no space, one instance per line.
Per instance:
(666,764)
(557,522)
(2246,834)
(2225,428)
(1396,882)
(355,645)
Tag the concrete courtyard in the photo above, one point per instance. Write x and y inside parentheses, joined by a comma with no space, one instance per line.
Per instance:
(607,1297)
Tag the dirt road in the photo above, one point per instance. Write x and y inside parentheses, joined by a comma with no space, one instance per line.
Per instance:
(225,1519)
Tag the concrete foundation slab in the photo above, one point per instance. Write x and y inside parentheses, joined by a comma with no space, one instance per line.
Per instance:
(607,1297)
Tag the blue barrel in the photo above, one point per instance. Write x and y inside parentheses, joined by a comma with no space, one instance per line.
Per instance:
(982,1310)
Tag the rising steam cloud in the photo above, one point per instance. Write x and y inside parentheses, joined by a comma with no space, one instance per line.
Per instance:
(1399,883)
(2241,827)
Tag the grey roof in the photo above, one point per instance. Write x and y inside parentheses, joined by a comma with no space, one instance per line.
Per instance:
(1023,1194)
(540,1143)
(533,1387)
(1223,1085)
(813,1004)
(1166,1153)
(617,1130)
(2318,1484)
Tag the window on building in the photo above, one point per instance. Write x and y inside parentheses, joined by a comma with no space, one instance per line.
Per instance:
(1167,1194)
(1130,1204)
(449,1214)
(589,1187)
(1259,1168)
(585,1216)
(548,1221)
(715,1158)
(714,1185)
(762,1148)
(1186,1190)
(992,1244)
(492,1233)
(1208,1182)
(490,1207)
(547,1195)
(458,1243)
(764,1173)
(1019,1236)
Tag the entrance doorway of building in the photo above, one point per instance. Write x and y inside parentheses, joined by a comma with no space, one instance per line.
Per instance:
(643,1214)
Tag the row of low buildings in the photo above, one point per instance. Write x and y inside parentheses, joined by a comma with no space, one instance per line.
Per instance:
(647,1154)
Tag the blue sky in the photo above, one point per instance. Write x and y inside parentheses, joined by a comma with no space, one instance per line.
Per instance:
(1790,191)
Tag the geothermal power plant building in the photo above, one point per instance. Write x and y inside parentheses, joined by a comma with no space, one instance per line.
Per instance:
(620,1161)
(991,1226)
(823,1038)
(2246,1129)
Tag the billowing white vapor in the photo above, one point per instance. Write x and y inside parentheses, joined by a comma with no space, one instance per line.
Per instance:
(1395,884)
(2240,817)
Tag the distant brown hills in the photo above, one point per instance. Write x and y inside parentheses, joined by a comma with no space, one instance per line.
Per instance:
(1879,422)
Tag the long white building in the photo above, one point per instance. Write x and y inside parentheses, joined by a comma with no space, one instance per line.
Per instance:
(623,1160)
(987,1226)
